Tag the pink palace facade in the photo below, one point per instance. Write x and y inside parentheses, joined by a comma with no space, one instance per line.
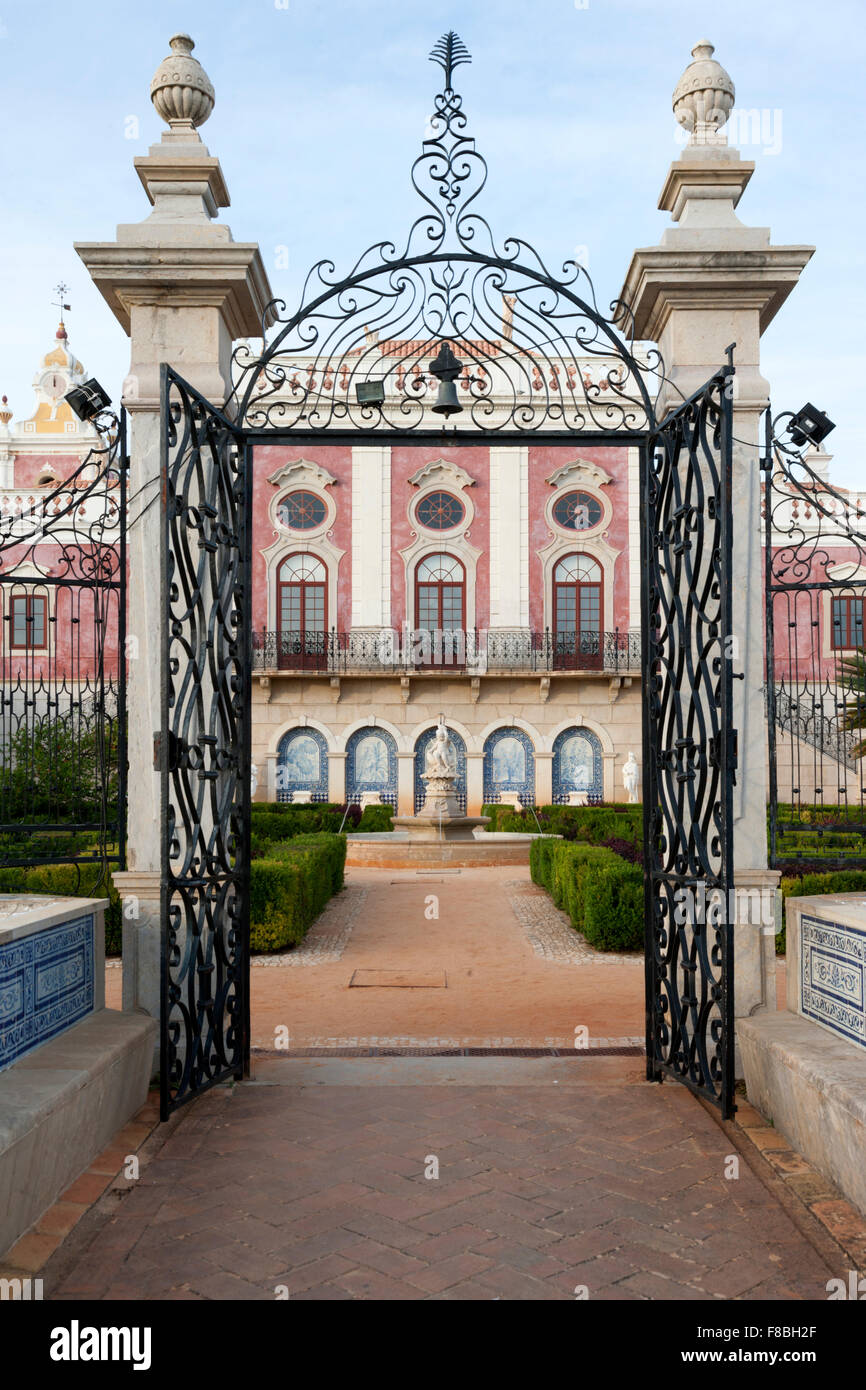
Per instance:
(498,585)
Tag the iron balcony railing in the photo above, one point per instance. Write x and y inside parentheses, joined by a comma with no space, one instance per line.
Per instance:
(474,652)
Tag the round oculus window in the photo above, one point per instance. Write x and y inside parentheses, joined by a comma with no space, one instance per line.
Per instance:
(302,511)
(439,511)
(577,511)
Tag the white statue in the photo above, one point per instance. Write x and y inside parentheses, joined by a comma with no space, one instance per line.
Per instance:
(254,780)
(629,777)
(441,757)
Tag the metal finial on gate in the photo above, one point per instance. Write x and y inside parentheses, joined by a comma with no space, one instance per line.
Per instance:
(449,53)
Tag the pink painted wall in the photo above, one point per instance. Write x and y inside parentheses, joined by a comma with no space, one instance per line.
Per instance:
(405,461)
(27,467)
(337,459)
(798,644)
(544,459)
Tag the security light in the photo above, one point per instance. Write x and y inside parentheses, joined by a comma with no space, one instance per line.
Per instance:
(370,392)
(88,400)
(809,426)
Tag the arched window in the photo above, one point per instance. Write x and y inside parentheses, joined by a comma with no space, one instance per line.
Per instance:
(440,608)
(302,606)
(578,639)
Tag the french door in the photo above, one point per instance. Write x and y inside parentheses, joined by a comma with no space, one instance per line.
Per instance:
(302,606)
(578,638)
(440,609)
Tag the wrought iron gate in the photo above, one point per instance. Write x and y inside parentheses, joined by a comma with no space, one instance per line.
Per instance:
(450,322)
(204,748)
(815,606)
(689,744)
(63,668)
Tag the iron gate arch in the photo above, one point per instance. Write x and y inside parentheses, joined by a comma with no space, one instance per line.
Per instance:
(534,357)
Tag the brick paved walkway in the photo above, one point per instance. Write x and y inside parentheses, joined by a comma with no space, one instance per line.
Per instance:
(553,1174)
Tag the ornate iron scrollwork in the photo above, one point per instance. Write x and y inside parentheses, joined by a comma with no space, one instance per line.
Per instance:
(688,748)
(521,333)
(205,755)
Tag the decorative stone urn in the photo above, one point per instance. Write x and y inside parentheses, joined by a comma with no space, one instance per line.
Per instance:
(181,90)
(704,97)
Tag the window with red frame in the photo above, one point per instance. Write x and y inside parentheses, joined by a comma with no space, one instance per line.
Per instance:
(27,620)
(846,628)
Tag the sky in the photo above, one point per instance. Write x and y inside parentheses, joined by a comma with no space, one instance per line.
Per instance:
(321,107)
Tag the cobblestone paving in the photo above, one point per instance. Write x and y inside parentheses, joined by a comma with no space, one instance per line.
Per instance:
(327,939)
(319,1192)
(550,933)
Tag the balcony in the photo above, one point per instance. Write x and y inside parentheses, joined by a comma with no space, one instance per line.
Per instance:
(477,652)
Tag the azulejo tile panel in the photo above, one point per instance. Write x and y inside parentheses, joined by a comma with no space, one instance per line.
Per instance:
(832,976)
(46,985)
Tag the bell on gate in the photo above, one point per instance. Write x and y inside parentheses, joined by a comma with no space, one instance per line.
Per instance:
(447,368)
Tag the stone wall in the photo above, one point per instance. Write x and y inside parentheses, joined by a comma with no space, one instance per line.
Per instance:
(542,706)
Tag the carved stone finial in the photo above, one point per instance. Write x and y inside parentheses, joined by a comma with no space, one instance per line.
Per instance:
(181,90)
(704,97)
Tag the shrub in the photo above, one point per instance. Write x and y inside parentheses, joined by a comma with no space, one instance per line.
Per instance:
(376,819)
(600,891)
(626,849)
(289,888)
(593,824)
(280,820)
(809,884)
(70,881)
(613,914)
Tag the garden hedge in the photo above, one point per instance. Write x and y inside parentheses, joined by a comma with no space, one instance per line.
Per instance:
(280,820)
(600,891)
(70,881)
(289,888)
(594,824)
(805,885)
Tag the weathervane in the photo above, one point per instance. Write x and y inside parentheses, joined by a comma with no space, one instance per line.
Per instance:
(449,53)
(61,290)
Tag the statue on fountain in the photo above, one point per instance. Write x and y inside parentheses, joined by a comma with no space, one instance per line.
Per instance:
(441,756)
(440,819)
(440,775)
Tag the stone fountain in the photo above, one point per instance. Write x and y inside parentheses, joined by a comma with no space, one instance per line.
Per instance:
(440,818)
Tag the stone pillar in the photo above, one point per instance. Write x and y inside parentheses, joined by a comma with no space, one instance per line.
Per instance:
(543,779)
(336,778)
(474,783)
(405,783)
(182,291)
(710,282)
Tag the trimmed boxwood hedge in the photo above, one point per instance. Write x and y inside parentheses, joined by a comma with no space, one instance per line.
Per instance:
(600,891)
(289,888)
(67,880)
(593,824)
(280,820)
(805,885)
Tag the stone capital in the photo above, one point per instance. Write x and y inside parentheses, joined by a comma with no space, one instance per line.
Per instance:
(230,276)
(665,280)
